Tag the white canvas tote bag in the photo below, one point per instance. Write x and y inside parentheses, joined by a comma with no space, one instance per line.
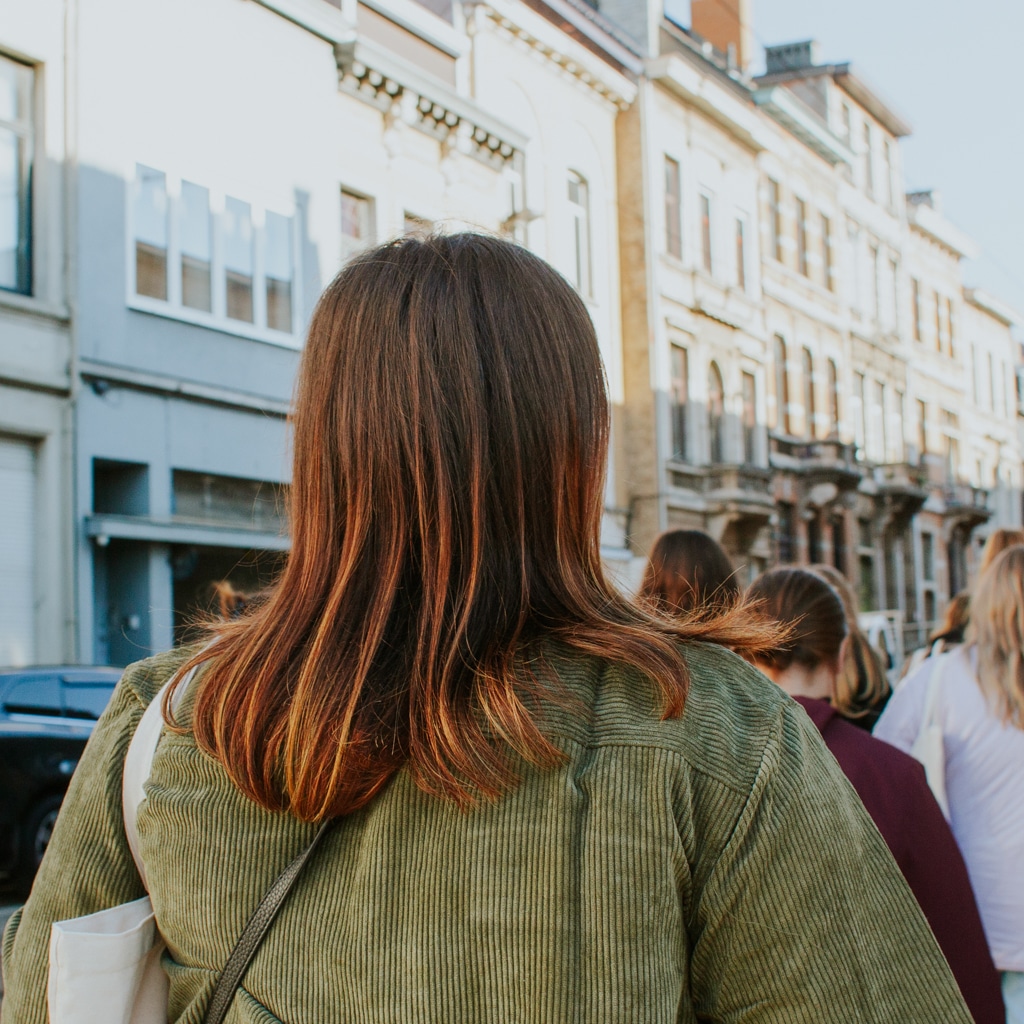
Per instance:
(930,748)
(105,967)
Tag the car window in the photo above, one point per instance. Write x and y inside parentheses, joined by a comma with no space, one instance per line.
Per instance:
(86,700)
(39,695)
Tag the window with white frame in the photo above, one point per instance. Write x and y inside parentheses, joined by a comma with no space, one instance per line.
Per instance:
(16,150)
(774,220)
(741,253)
(827,259)
(149,207)
(238,259)
(279,271)
(673,208)
(357,231)
(706,255)
(196,236)
(801,237)
(579,212)
(212,258)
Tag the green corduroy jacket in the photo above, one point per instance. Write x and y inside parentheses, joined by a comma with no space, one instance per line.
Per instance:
(713,867)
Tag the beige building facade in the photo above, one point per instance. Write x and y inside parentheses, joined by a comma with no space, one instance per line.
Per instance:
(807,379)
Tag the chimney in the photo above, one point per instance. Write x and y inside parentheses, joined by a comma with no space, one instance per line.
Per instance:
(727,26)
(791,56)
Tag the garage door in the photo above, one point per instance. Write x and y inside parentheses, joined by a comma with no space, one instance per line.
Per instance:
(17,551)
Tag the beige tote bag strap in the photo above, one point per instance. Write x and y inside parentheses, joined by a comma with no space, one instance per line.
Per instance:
(138,763)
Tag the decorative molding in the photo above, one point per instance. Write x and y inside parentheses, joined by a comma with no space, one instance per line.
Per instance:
(574,66)
(407,95)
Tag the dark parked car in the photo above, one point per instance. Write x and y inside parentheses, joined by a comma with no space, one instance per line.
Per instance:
(46,716)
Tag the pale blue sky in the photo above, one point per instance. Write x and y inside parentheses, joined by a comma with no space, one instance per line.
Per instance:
(952,68)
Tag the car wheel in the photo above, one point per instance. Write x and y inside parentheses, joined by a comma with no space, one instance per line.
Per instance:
(38,828)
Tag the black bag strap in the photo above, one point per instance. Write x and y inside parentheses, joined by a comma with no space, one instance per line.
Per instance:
(256,929)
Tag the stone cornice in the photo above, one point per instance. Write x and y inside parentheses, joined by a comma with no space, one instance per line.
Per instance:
(401,91)
(573,59)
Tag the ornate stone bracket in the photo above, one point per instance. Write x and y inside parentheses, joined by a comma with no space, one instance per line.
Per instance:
(445,118)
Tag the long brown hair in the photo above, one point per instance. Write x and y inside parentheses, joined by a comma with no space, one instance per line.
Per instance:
(688,573)
(450,434)
(997,629)
(862,687)
(812,611)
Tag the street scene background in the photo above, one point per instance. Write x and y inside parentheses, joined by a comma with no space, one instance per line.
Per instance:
(807,356)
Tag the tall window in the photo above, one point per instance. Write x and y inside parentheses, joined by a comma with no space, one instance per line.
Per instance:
(196,247)
(845,121)
(716,415)
(749,419)
(579,211)
(860,426)
(833,398)
(150,220)
(915,291)
(938,322)
(974,375)
(679,397)
(949,327)
(673,208)
(894,293)
(991,383)
(705,232)
(896,434)
(801,236)
(889,196)
(827,259)
(950,429)
(741,253)
(356,223)
(869,168)
(782,418)
(248,277)
(279,271)
(786,538)
(879,423)
(16,148)
(775,219)
(876,282)
(922,427)
(808,377)
(238,259)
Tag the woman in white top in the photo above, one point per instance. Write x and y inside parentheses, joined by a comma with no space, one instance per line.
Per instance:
(979,704)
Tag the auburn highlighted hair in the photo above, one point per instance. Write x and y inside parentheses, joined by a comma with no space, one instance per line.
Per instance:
(450,434)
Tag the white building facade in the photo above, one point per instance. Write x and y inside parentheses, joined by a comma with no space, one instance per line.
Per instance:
(204,209)
(36,342)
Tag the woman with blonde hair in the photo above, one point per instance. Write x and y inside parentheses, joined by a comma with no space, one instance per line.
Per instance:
(975,695)
(807,665)
(862,687)
(534,801)
(998,541)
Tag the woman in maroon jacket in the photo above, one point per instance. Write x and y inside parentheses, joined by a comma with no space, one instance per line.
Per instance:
(891,784)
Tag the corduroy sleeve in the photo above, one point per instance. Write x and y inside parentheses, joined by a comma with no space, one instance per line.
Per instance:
(805,918)
(87,866)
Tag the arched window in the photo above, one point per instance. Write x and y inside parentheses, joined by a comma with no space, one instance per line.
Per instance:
(809,410)
(833,399)
(782,422)
(716,415)
(579,211)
